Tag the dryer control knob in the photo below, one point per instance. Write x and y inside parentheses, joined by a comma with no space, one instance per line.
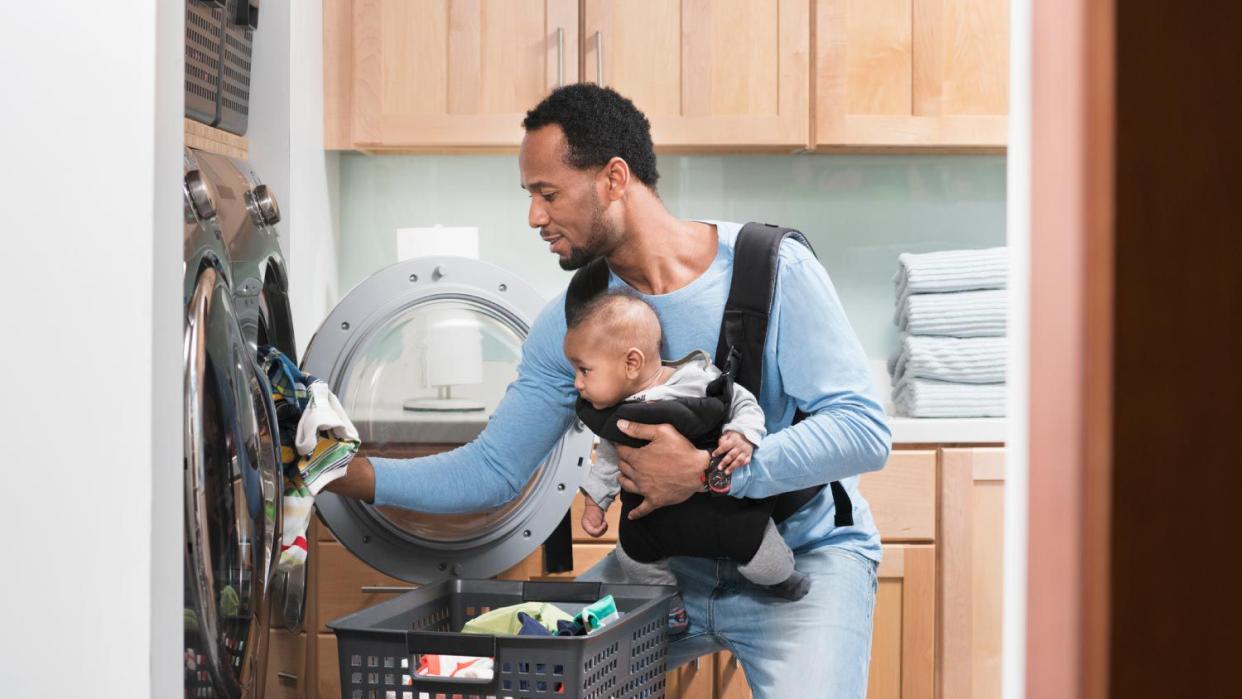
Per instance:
(200,196)
(266,201)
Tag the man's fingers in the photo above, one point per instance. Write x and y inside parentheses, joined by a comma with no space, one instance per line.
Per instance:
(638,430)
(644,508)
(627,484)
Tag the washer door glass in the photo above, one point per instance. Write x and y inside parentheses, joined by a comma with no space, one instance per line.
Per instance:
(420,355)
(426,381)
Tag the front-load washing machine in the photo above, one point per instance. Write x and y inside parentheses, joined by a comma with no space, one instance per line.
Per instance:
(231,469)
(247,216)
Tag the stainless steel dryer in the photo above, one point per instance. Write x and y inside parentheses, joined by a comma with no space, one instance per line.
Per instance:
(247,218)
(420,354)
(231,470)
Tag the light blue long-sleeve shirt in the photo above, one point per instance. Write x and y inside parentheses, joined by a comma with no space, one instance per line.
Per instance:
(812,361)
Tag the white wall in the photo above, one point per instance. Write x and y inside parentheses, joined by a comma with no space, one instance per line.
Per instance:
(90,595)
(286,150)
(1013,641)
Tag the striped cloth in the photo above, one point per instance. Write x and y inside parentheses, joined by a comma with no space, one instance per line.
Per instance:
(958,314)
(305,474)
(975,360)
(951,270)
(925,398)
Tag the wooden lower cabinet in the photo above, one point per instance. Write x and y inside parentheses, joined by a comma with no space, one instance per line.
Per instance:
(903,636)
(970,557)
(286,665)
(694,680)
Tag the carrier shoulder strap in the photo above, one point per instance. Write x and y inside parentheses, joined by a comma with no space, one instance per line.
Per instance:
(744,332)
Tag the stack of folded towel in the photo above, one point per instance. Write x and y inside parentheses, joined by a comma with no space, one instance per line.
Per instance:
(951,309)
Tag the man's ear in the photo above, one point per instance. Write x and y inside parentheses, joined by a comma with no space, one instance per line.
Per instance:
(616,179)
(634,363)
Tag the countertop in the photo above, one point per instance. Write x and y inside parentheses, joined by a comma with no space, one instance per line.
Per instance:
(949,430)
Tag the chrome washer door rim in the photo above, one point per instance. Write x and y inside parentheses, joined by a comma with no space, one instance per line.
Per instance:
(362,529)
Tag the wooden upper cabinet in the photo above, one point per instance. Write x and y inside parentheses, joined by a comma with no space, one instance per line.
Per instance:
(903,73)
(442,73)
(725,73)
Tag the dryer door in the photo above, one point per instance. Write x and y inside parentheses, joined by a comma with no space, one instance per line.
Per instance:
(420,355)
(232,486)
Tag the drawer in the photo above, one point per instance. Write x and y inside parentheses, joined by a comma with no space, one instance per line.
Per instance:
(902,496)
(327,667)
(612,516)
(286,665)
(340,577)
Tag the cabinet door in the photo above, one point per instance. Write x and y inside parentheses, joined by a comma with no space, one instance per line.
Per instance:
(286,665)
(970,560)
(731,73)
(693,680)
(911,73)
(442,73)
(903,635)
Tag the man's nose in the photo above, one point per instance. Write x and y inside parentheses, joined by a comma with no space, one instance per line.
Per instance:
(537,217)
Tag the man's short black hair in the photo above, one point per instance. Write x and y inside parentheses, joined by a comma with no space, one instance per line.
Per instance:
(599,124)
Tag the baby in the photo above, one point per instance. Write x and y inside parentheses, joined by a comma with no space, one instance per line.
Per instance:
(613,343)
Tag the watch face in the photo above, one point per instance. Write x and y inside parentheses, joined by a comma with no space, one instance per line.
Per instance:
(718,481)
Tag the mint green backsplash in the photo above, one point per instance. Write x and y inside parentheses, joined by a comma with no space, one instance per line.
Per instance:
(859,211)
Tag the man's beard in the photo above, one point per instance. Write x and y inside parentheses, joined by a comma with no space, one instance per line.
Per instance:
(600,241)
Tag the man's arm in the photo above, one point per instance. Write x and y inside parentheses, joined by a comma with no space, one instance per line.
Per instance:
(823,370)
(491,470)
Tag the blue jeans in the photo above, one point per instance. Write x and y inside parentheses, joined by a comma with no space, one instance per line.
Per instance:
(819,646)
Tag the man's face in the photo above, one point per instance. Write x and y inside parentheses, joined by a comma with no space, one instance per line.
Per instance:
(566,205)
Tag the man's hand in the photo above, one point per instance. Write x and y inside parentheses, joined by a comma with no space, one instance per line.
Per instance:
(734,450)
(593,521)
(357,483)
(665,472)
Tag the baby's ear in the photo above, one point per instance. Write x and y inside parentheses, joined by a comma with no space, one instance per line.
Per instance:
(634,361)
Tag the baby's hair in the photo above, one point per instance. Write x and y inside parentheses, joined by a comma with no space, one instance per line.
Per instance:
(626,318)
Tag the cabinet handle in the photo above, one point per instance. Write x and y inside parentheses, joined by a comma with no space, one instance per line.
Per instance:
(560,57)
(599,58)
(384,589)
(287,676)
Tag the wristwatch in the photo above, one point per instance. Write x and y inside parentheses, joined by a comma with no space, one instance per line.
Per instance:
(718,480)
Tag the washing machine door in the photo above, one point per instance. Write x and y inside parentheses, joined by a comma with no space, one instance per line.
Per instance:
(420,355)
(232,490)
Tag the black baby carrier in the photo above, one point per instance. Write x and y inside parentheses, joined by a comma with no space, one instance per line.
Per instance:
(707,525)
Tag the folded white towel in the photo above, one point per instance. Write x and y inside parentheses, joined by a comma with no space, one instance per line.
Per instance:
(924,398)
(951,270)
(958,314)
(959,359)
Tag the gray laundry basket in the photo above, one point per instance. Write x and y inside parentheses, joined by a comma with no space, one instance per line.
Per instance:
(626,659)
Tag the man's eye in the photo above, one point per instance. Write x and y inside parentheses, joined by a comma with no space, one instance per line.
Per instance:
(549,197)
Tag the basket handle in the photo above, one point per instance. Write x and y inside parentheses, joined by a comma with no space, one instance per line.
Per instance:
(552,590)
(444,643)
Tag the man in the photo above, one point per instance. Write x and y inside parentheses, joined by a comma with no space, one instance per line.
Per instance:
(588,163)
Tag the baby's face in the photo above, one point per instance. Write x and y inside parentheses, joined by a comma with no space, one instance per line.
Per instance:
(599,372)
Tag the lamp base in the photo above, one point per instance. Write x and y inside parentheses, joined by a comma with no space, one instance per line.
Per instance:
(443,405)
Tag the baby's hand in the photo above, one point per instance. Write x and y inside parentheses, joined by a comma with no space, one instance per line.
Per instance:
(593,521)
(735,449)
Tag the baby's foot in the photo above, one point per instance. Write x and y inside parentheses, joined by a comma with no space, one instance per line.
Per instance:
(794,588)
